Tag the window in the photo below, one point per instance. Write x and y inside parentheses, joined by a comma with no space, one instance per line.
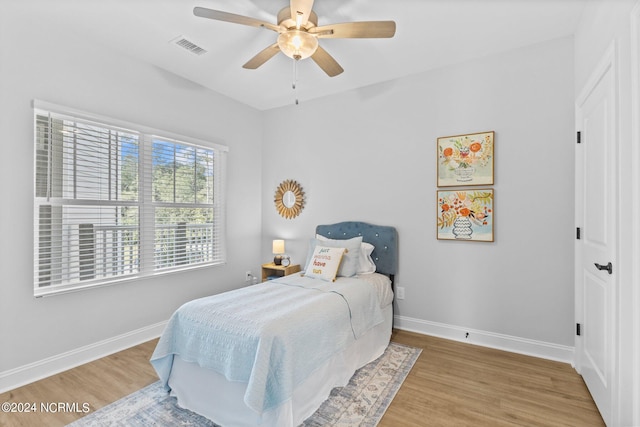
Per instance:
(115,201)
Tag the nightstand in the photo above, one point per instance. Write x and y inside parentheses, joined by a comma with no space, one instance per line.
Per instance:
(270,270)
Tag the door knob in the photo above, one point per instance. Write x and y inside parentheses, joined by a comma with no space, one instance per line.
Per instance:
(607,267)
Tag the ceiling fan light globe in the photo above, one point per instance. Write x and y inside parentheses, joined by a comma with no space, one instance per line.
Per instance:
(297,44)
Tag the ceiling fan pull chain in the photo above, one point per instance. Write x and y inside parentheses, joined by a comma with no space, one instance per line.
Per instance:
(294,84)
(295,75)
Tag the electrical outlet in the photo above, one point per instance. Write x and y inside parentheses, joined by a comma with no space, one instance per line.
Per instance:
(248,276)
(400,292)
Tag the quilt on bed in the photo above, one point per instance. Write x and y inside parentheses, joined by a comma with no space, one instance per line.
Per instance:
(270,335)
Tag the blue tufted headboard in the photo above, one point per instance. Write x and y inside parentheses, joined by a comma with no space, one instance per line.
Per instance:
(383,238)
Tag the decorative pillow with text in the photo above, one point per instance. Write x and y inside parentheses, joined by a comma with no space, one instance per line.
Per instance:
(350,260)
(324,263)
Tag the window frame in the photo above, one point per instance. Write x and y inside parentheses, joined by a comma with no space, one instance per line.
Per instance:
(146,226)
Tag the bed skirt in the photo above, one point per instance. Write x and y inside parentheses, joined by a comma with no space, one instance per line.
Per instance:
(211,395)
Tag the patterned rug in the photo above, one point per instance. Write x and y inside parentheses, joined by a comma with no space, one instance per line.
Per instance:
(362,402)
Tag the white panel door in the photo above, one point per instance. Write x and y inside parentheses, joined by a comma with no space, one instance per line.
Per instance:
(595,250)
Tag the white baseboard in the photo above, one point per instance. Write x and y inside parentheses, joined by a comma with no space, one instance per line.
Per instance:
(513,344)
(26,374)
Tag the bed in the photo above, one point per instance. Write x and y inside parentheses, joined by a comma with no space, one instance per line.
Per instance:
(269,354)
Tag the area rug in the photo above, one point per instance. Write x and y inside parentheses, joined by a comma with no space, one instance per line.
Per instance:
(362,402)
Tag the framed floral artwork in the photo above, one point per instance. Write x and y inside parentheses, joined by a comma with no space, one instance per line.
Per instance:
(465,159)
(465,215)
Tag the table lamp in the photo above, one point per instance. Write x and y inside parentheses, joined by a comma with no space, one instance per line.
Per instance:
(278,250)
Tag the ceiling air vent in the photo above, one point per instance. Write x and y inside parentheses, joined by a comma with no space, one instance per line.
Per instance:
(188,45)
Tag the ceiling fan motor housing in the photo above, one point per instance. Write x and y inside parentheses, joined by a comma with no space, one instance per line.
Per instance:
(285,19)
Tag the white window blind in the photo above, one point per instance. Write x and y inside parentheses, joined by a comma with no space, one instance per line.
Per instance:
(115,201)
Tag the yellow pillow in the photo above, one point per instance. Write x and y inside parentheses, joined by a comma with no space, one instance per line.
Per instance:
(324,263)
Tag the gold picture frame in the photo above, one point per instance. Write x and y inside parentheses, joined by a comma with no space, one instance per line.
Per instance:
(289,199)
(466,159)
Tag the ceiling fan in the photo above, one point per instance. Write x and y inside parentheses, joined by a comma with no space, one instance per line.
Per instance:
(299,33)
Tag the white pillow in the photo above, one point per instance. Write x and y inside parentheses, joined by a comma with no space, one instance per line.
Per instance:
(365,263)
(324,263)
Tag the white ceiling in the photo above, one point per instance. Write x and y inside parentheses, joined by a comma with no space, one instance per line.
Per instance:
(430,34)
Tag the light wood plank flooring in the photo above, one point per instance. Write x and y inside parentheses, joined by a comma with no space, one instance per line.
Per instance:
(451,384)
(459,384)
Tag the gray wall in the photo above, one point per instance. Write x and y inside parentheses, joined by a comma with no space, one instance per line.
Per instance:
(40,61)
(369,155)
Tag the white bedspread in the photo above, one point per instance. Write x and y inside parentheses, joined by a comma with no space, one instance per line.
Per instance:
(271,335)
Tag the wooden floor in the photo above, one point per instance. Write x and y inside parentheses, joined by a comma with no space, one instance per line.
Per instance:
(451,384)
(459,384)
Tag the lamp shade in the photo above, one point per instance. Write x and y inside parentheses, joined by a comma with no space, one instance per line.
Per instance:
(278,250)
(278,247)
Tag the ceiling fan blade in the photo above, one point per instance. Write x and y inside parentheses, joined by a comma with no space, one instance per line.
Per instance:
(356,30)
(218,15)
(262,57)
(326,62)
(300,11)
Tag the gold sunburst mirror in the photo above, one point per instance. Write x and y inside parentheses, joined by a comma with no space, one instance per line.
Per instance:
(289,199)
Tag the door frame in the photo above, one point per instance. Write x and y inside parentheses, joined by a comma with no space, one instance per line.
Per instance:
(606,64)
